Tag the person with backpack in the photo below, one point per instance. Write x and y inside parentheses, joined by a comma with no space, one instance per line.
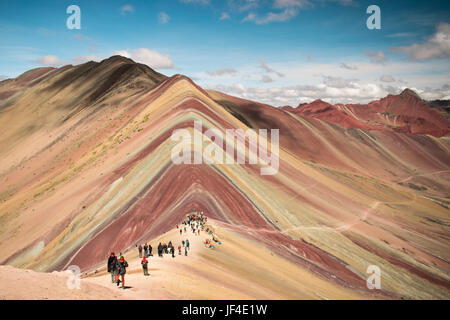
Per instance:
(179,250)
(145,250)
(187,244)
(112,266)
(150,249)
(140,250)
(160,249)
(173,252)
(121,266)
(144,263)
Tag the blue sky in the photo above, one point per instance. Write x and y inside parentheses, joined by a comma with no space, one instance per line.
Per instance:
(275,51)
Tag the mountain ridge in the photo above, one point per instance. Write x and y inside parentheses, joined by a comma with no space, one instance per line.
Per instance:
(404,113)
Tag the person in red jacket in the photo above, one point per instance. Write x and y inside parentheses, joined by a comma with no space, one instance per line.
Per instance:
(121,266)
(144,263)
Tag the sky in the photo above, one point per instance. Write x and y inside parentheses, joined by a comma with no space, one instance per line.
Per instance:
(279,52)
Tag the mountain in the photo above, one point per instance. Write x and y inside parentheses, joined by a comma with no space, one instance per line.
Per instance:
(405,112)
(86,169)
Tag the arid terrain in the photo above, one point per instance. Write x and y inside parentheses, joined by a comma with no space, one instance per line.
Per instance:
(85,169)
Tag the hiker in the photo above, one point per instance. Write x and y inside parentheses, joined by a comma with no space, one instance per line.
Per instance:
(184,229)
(112,266)
(198,231)
(179,250)
(185,251)
(182,242)
(160,248)
(144,263)
(150,249)
(140,250)
(181,232)
(145,250)
(187,243)
(173,252)
(121,266)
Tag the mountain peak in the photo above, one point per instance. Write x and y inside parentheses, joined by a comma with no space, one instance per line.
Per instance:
(319,101)
(410,93)
(118,58)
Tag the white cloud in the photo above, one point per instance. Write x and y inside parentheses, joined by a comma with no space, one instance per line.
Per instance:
(123,53)
(339,82)
(83,59)
(291,3)
(223,71)
(126,9)
(331,90)
(250,17)
(400,35)
(265,67)
(282,16)
(442,93)
(304,81)
(163,17)
(149,57)
(348,67)
(50,60)
(225,16)
(266,79)
(387,78)
(243,5)
(437,46)
(376,57)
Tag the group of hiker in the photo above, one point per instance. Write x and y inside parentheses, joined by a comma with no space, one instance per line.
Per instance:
(147,250)
(164,248)
(117,269)
(195,221)
(117,266)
